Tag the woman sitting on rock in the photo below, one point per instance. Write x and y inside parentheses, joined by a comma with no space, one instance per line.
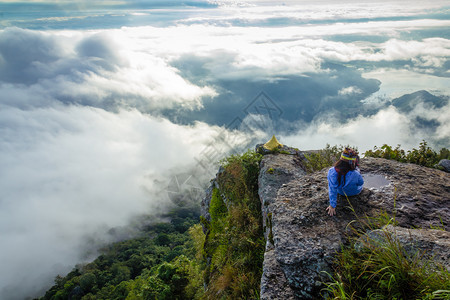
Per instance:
(344,178)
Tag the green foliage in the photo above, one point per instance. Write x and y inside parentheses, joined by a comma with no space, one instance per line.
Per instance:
(377,266)
(87,281)
(441,226)
(160,264)
(387,152)
(241,176)
(323,158)
(194,289)
(234,245)
(424,156)
(384,270)
(217,208)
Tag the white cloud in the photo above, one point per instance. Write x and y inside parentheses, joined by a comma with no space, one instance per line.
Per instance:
(351,90)
(69,173)
(431,48)
(388,126)
(307,10)
(132,66)
(288,50)
(91,68)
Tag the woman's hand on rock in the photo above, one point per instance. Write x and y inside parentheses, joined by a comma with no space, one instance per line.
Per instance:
(331,210)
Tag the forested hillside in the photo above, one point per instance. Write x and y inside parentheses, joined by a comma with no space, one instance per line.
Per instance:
(175,260)
(155,265)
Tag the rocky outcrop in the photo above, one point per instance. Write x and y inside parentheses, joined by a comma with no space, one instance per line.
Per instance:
(282,149)
(275,170)
(302,239)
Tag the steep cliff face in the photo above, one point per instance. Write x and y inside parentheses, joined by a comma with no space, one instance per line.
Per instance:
(275,171)
(302,240)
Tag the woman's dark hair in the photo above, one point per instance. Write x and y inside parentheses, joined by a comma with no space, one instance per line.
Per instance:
(342,167)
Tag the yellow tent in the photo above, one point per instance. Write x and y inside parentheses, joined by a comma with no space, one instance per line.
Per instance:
(272,144)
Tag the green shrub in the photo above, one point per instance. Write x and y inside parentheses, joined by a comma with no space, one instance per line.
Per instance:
(217,208)
(234,243)
(424,156)
(316,161)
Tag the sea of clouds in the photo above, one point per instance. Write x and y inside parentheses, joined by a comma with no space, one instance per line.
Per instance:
(96,120)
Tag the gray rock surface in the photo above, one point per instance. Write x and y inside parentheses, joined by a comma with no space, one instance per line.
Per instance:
(275,170)
(445,164)
(283,150)
(206,202)
(419,196)
(305,238)
(274,284)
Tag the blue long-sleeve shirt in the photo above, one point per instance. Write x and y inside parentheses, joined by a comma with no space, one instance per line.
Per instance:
(353,185)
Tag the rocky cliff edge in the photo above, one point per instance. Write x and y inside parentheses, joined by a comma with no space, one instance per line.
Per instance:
(302,239)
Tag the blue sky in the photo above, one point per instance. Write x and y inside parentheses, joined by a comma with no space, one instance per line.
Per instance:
(102,103)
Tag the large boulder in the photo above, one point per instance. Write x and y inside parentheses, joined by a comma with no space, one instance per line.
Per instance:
(445,165)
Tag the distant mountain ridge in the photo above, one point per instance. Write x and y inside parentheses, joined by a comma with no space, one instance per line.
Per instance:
(408,102)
